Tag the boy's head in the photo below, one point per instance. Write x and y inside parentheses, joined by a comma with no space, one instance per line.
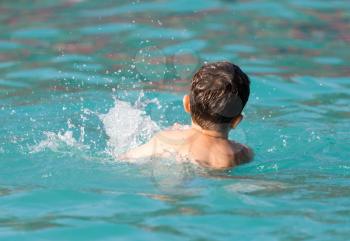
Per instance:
(219,92)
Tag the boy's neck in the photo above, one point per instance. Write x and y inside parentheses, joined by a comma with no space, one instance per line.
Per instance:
(210,133)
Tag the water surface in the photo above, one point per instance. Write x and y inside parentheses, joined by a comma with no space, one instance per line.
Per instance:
(66,65)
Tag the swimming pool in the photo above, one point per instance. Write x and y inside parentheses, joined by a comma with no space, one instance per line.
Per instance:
(74,73)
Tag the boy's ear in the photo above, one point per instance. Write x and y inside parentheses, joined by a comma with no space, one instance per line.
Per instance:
(186,103)
(236,121)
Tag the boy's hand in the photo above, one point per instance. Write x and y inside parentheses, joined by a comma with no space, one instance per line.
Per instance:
(247,154)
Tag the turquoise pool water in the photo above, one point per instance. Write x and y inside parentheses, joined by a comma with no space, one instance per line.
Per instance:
(81,80)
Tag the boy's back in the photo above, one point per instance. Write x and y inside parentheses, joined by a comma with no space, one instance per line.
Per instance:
(208,151)
(192,145)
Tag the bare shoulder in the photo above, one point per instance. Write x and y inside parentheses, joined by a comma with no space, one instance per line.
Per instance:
(242,153)
(172,137)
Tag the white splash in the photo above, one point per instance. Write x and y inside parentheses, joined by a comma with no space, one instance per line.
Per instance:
(127,127)
(54,141)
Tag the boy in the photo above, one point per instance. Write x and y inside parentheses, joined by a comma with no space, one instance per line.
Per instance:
(219,92)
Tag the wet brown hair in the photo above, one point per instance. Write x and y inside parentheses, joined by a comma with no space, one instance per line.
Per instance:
(219,92)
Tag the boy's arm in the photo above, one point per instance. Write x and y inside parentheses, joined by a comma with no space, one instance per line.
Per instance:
(146,150)
(154,147)
(247,154)
(244,153)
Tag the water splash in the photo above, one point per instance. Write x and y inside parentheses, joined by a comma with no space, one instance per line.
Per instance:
(57,141)
(127,127)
